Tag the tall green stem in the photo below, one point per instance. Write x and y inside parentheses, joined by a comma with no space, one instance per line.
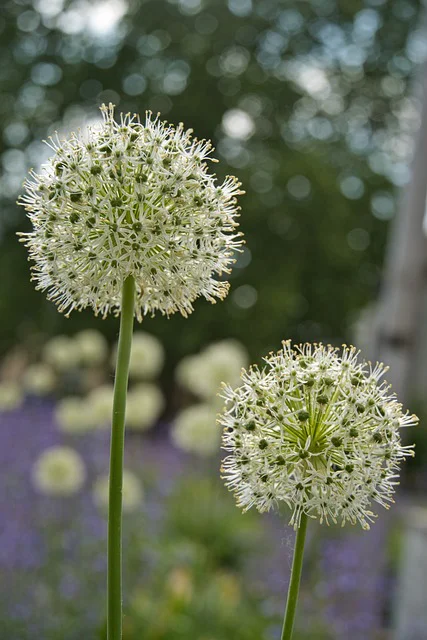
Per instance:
(288,623)
(114,587)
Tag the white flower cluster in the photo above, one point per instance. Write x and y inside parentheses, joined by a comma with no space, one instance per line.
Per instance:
(11,396)
(316,429)
(147,356)
(132,492)
(195,430)
(202,374)
(88,348)
(131,199)
(59,471)
(145,403)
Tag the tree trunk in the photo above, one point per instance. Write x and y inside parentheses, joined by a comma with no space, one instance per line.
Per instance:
(401,302)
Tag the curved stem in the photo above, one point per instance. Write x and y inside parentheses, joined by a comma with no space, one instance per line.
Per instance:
(294,583)
(114,585)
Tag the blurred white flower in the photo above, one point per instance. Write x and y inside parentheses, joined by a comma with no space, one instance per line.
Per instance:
(11,396)
(132,495)
(203,374)
(189,371)
(60,352)
(196,430)
(146,358)
(144,405)
(99,403)
(91,347)
(59,471)
(72,415)
(39,379)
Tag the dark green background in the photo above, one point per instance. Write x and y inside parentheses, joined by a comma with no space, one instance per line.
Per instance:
(316,260)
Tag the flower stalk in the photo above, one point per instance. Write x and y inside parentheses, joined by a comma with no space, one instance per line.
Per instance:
(114,586)
(293,591)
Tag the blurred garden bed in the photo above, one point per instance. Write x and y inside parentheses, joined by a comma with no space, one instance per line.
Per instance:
(219,567)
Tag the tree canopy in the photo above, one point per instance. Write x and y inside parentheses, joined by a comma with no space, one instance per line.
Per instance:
(308,103)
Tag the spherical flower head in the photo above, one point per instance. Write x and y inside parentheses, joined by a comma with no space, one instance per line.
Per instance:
(132,492)
(145,403)
(131,199)
(11,396)
(196,430)
(99,404)
(203,374)
(73,415)
(59,471)
(147,356)
(60,352)
(316,429)
(39,379)
(91,347)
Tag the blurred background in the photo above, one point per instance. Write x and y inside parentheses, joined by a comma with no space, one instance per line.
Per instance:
(318,107)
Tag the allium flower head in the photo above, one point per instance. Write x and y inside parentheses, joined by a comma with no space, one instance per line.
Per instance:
(145,403)
(39,379)
(203,373)
(59,471)
(73,415)
(195,430)
(11,396)
(132,491)
(60,352)
(316,429)
(91,347)
(146,358)
(131,199)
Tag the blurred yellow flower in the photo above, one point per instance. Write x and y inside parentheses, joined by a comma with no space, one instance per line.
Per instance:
(179,584)
(229,589)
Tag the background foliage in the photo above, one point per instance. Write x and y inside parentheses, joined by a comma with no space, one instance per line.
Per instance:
(307,102)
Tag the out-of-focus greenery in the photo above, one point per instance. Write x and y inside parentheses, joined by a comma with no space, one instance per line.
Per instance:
(307,102)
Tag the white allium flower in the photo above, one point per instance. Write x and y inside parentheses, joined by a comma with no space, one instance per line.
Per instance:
(196,430)
(144,405)
(60,352)
(39,379)
(73,415)
(132,495)
(189,371)
(91,347)
(131,199)
(203,374)
(316,429)
(99,403)
(11,396)
(59,471)
(147,356)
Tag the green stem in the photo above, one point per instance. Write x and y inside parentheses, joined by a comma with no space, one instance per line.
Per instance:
(114,586)
(293,590)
